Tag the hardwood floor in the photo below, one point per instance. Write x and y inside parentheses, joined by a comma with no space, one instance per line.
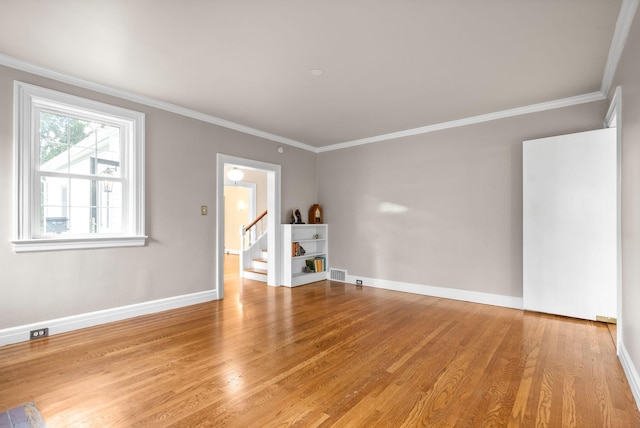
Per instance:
(325,354)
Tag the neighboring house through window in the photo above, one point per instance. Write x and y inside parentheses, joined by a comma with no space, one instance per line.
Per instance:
(79,172)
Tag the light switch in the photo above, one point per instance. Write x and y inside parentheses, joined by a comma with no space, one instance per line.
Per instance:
(204,210)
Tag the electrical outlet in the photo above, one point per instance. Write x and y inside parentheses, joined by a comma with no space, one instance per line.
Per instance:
(358,282)
(37,334)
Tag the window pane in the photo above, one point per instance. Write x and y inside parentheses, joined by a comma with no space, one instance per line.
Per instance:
(80,221)
(85,135)
(111,194)
(108,150)
(54,205)
(109,207)
(55,223)
(82,161)
(54,157)
(57,133)
(72,145)
(109,220)
(80,206)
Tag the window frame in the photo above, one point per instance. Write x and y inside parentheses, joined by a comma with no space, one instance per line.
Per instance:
(29,100)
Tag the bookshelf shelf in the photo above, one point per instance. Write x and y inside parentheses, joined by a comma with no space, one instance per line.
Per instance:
(309,255)
(303,236)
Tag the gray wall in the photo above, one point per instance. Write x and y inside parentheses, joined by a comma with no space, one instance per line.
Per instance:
(180,256)
(628,77)
(462,191)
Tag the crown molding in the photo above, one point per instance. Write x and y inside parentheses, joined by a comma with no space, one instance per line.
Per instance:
(534,108)
(625,18)
(148,101)
(623,25)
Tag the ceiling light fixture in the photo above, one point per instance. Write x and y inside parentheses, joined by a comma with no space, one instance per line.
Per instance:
(316,72)
(235,174)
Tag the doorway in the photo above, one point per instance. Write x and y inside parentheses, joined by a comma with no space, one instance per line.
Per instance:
(273,219)
(240,202)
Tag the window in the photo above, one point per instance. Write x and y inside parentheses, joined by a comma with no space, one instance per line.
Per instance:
(79,168)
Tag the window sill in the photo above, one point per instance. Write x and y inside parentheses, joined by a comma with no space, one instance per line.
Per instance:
(57,244)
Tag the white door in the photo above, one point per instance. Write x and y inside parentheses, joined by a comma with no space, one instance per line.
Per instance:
(569,224)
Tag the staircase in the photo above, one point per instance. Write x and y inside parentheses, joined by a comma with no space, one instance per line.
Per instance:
(253,254)
(257,269)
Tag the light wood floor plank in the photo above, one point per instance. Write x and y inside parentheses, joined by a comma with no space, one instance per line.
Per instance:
(324,354)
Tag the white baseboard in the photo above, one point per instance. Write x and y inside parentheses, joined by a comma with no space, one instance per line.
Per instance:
(447,293)
(631,371)
(90,319)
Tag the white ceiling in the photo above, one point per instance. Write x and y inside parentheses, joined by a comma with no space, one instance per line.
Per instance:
(389,65)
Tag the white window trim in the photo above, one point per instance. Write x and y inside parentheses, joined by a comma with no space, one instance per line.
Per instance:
(26,99)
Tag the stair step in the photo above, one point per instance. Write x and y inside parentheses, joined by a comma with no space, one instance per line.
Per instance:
(255,270)
(259,264)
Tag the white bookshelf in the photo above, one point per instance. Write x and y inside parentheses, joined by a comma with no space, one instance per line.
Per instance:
(314,239)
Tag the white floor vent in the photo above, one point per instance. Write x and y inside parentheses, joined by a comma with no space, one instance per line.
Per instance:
(338,275)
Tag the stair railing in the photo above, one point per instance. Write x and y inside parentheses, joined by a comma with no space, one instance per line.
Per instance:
(249,234)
